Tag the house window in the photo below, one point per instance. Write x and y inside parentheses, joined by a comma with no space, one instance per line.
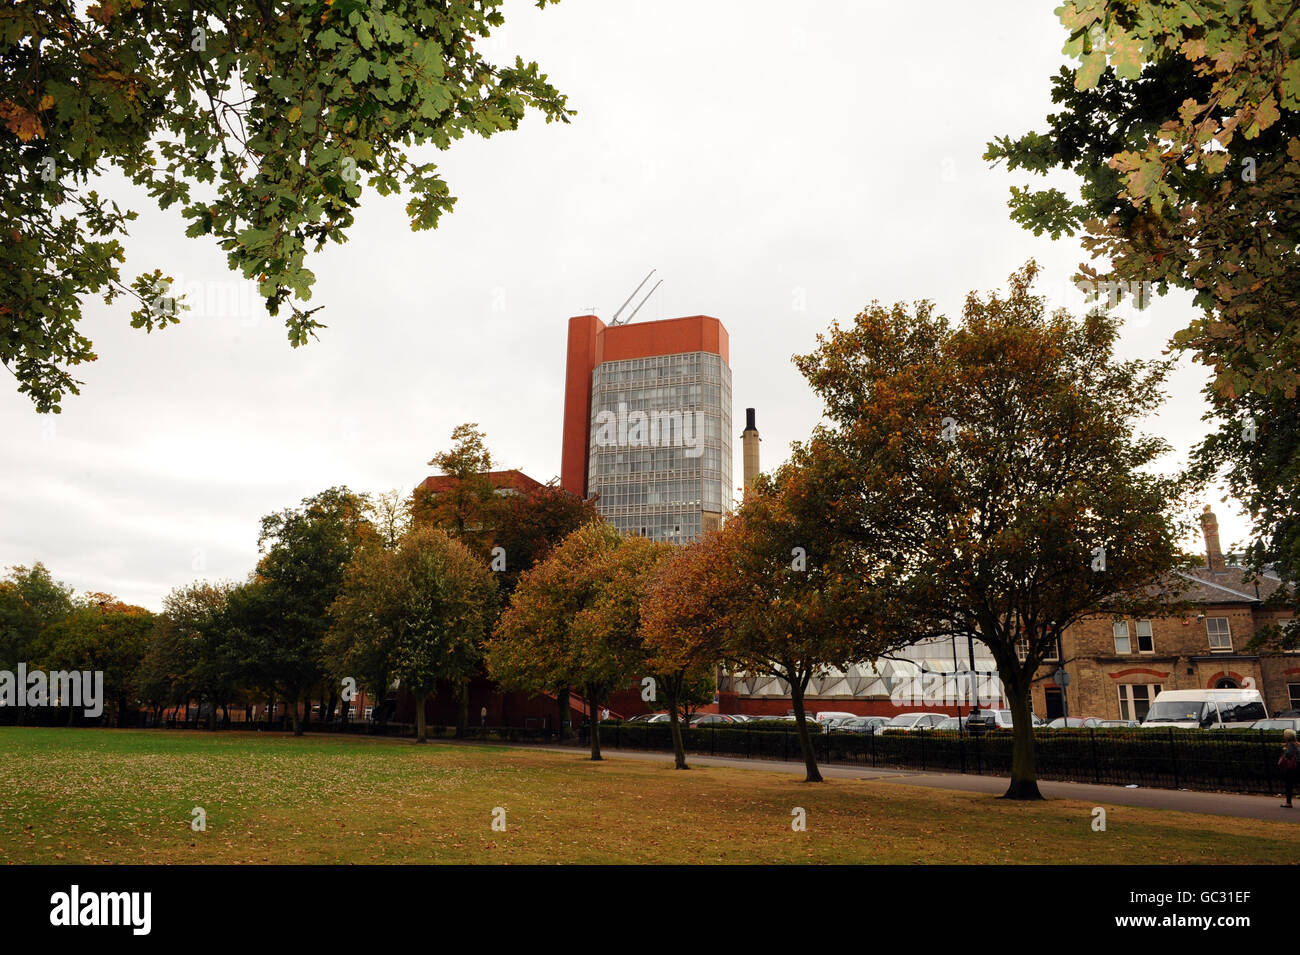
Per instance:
(1122,643)
(1022,649)
(1220,633)
(1146,643)
(1294,690)
(1050,655)
(1135,699)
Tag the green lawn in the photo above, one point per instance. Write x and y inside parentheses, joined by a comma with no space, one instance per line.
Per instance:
(126,796)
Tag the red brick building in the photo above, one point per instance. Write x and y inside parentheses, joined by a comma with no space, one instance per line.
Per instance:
(1117,665)
(647,424)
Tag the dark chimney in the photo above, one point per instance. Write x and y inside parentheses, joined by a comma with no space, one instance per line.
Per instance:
(749,420)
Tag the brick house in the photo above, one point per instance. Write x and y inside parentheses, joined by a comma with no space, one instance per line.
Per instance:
(1116,666)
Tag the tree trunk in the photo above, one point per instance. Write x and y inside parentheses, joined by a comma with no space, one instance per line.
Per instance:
(593,717)
(1024,768)
(462,708)
(421,723)
(805,741)
(562,702)
(675,725)
(295,714)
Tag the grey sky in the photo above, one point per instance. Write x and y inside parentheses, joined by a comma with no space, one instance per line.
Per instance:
(780,164)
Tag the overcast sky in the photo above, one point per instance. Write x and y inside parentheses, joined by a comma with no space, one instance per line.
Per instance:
(781,165)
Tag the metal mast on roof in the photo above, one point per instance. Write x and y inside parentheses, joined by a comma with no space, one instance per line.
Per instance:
(615,321)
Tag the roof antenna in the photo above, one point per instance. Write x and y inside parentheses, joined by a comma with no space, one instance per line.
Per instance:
(644,300)
(614,320)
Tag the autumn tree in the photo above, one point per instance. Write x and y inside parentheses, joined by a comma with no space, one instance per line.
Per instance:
(262,121)
(995,472)
(360,643)
(418,613)
(574,619)
(682,628)
(607,648)
(511,531)
(464,504)
(1182,122)
(528,525)
(784,588)
(101,634)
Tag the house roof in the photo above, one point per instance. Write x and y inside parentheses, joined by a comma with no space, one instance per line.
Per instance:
(511,480)
(1233,585)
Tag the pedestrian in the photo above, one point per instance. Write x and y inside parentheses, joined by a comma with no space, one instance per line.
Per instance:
(1289,763)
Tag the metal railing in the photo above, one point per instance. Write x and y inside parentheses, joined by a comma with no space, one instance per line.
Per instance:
(1216,760)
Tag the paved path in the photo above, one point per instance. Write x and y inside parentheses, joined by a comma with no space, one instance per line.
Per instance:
(1217,804)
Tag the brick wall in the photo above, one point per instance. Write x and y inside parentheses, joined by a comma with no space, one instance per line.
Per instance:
(1180,659)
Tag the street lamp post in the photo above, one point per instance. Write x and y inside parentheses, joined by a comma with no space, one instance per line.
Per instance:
(970,649)
(1062,680)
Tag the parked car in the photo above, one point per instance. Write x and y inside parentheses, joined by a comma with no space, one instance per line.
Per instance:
(646,717)
(1277,723)
(1188,709)
(833,716)
(915,721)
(952,724)
(1119,724)
(709,719)
(862,724)
(837,722)
(1074,722)
(739,718)
(983,721)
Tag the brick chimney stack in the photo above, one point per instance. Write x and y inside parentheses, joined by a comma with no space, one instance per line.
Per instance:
(1213,552)
(749,447)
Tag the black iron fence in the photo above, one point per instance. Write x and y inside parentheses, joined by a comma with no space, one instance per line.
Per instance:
(1218,760)
(132,719)
(362,727)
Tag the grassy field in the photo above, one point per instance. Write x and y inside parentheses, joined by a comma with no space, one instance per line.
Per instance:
(98,796)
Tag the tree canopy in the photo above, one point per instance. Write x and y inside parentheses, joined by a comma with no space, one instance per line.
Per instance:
(1182,122)
(261,120)
(994,472)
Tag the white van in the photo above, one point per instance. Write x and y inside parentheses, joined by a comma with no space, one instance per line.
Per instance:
(1209,709)
(825,716)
